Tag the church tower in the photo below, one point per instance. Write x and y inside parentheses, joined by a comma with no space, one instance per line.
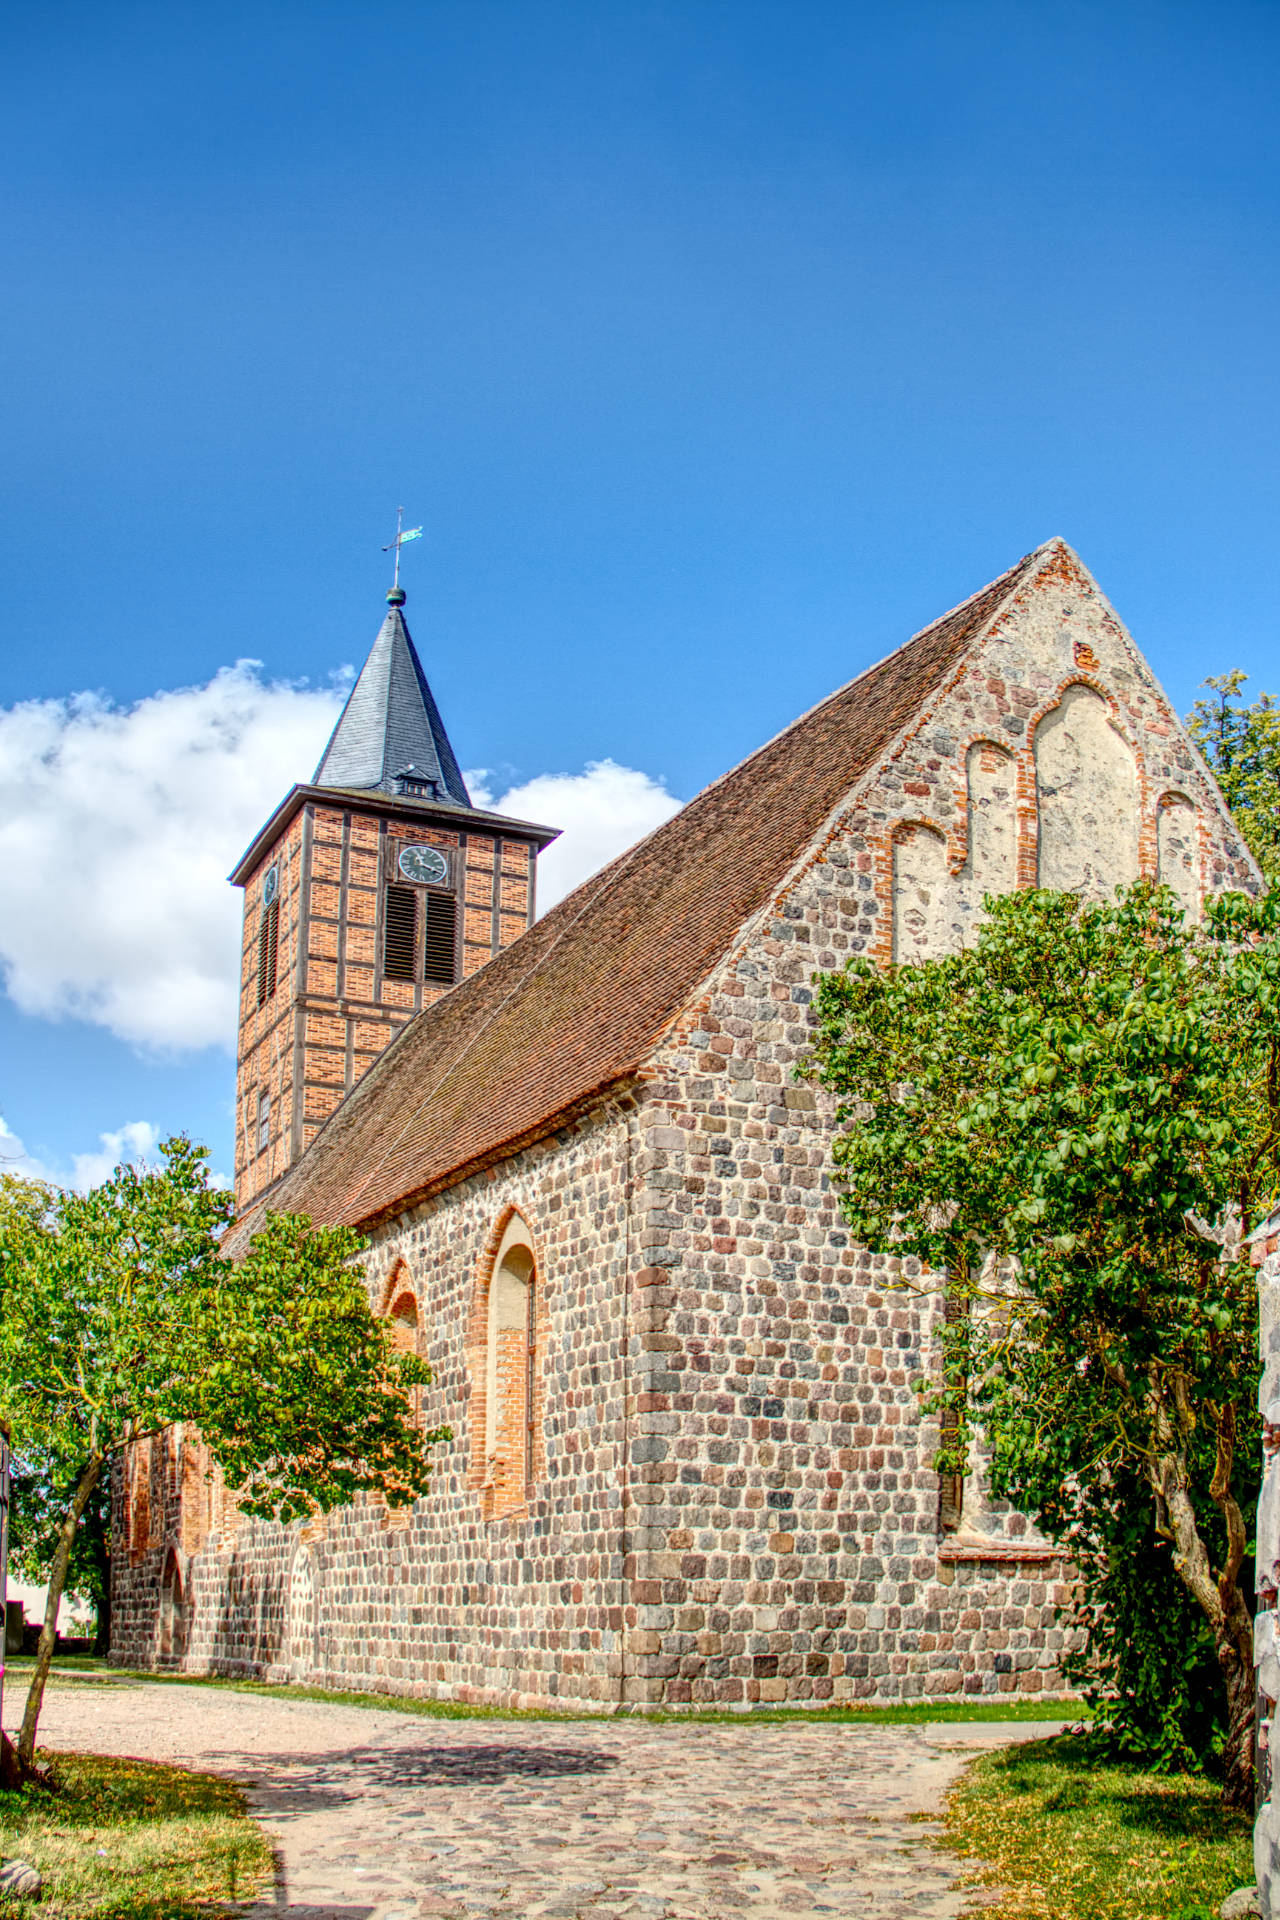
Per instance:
(368,894)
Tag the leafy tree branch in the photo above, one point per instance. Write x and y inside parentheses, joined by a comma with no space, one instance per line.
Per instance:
(1086,1099)
(120,1317)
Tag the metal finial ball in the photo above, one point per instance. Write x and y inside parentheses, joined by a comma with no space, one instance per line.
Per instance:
(396,597)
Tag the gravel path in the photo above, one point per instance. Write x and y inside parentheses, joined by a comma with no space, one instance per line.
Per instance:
(389,1816)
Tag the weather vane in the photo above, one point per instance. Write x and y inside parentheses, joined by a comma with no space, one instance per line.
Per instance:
(402,534)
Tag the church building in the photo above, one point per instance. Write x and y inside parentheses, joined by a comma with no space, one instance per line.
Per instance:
(688,1465)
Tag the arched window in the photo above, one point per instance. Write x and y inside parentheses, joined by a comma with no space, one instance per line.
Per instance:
(401,1309)
(138,1494)
(173,1611)
(404,1318)
(511,1383)
(300,1623)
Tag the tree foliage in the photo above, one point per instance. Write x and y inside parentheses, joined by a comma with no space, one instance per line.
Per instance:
(120,1316)
(1146,1659)
(1087,1099)
(1242,746)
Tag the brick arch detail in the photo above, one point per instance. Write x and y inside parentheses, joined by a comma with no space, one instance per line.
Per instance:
(958,832)
(399,1290)
(141,1530)
(1028,810)
(397,1284)
(488,1470)
(1184,796)
(882,854)
(173,1619)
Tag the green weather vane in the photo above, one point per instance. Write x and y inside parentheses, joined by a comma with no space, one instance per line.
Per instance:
(403,534)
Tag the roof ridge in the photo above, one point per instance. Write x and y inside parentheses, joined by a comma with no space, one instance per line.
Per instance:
(848,686)
(605,971)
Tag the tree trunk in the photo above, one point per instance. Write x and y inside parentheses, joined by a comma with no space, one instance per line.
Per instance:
(48,1633)
(1223,1606)
(1237,1756)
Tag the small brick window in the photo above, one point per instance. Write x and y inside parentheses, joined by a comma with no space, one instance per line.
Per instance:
(404,1323)
(440,966)
(264,1122)
(400,933)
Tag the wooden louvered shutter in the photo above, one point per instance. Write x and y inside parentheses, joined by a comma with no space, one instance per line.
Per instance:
(400,933)
(441,943)
(268,952)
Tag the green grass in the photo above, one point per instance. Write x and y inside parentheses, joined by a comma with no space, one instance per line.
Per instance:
(70,1662)
(127,1840)
(1061,1837)
(980,1707)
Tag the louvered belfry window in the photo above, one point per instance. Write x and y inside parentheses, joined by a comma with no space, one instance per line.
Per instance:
(400,934)
(268,952)
(440,967)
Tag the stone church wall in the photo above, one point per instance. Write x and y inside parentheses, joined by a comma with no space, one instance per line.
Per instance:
(526,1605)
(793,1545)
(732,1497)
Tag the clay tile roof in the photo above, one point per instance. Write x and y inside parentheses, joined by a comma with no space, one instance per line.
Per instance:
(580,1001)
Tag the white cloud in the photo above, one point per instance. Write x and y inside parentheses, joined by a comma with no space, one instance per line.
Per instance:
(134,1142)
(601,812)
(118,826)
(14,1157)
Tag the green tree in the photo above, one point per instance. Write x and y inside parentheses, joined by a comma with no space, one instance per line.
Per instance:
(1071,1120)
(1242,747)
(120,1315)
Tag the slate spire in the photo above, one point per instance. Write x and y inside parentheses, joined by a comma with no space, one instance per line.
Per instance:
(390,737)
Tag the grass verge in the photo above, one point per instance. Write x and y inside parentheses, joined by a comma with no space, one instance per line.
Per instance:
(127,1840)
(1060,1835)
(982,1707)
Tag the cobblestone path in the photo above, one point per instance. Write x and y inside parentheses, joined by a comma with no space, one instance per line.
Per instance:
(388,1816)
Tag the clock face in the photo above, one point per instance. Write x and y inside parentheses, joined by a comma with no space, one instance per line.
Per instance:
(427,864)
(270,886)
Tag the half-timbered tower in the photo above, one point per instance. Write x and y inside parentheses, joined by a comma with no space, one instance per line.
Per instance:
(369,894)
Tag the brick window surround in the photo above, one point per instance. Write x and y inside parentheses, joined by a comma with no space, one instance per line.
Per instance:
(506,1352)
(174,1619)
(138,1497)
(400,1304)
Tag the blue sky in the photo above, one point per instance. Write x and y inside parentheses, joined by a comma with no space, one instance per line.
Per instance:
(717,346)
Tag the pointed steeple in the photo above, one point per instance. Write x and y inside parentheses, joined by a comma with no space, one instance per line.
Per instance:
(390,737)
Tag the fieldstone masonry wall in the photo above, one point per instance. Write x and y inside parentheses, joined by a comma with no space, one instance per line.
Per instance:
(524,1606)
(732,1500)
